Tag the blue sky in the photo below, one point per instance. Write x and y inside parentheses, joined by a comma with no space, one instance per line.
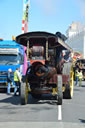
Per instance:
(44,15)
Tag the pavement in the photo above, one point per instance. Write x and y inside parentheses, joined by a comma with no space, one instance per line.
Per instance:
(40,125)
(43,113)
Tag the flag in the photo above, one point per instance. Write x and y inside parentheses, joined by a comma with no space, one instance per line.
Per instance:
(25,16)
(25,27)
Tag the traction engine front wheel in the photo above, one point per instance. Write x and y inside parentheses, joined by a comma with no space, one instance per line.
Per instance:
(60,93)
(24,93)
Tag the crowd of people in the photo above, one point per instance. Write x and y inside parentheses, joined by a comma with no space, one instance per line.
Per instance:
(17,80)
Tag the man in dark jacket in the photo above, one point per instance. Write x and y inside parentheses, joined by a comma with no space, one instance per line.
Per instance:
(9,80)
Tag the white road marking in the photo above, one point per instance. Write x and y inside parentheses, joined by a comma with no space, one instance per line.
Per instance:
(59,112)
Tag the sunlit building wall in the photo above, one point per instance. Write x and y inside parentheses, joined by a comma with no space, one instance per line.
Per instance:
(76,37)
(75,28)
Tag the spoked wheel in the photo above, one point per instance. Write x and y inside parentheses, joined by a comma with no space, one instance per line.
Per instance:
(68,70)
(24,93)
(59,87)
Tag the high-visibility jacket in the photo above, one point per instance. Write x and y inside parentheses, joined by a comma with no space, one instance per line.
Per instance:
(76,73)
(80,75)
(16,76)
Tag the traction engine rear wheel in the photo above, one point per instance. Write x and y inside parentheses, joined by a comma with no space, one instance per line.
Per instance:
(68,70)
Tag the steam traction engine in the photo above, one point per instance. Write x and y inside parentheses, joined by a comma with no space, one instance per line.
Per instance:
(48,72)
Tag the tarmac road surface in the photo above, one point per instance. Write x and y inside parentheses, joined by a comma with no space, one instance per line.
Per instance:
(43,113)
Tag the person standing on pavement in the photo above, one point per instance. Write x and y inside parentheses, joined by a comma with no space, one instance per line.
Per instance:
(77,77)
(80,78)
(9,80)
(17,80)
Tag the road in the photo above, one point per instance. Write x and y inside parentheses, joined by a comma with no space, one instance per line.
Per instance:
(43,112)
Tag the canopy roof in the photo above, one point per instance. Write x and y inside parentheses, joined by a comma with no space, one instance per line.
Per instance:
(54,39)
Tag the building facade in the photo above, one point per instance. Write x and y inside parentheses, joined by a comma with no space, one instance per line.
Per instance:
(76,38)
